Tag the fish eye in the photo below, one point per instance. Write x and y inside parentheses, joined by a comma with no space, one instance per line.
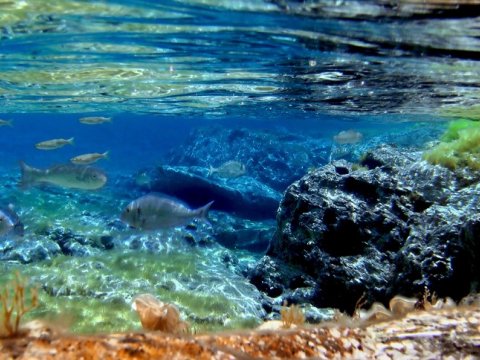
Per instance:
(139,211)
(128,210)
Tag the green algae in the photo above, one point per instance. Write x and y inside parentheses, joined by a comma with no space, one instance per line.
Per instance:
(470,112)
(94,294)
(460,146)
(43,211)
(85,315)
(455,128)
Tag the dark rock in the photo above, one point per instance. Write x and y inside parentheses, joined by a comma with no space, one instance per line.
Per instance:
(236,233)
(267,277)
(25,252)
(190,239)
(245,196)
(107,242)
(396,228)
(274,277)
(76,244)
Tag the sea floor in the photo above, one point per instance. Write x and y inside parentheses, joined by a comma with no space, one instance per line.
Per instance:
(447,333)
(88,266)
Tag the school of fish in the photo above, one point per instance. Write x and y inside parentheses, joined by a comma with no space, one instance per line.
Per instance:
(149,212)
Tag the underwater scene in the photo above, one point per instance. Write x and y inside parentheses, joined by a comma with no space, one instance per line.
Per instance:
(233,157)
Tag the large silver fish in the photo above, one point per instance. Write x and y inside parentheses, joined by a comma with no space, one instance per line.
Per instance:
(10,222)
(154,211)
(67,175)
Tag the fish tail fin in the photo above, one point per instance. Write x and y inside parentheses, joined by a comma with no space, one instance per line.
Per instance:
(203,211)
(71,141)
(106,154)
(9,123)
(28,175)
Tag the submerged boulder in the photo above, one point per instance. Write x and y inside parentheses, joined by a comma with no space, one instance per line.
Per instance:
(273,157)
(243,196)
(397,225)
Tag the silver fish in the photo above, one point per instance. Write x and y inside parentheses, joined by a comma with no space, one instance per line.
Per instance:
(87,159)
(67,175)
(230,169)
(6,123)
(155,211)
(94,120)
(53,144)
(10,222)
(143,179)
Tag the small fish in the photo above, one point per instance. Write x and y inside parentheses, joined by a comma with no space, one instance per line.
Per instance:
(230,169)
(53,144)
(143,179)
(87,159)
(66,175)
(6,123)
(94,120)
(10,222)
(155,211)
(348,137)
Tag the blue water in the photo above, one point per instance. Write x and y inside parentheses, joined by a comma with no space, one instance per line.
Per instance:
(162,70)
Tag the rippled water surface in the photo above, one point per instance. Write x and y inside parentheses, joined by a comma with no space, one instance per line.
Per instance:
(222,57)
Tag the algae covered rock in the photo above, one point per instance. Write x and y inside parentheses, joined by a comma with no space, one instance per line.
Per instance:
(459,148)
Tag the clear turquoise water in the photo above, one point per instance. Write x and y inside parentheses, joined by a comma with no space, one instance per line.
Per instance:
(163,69)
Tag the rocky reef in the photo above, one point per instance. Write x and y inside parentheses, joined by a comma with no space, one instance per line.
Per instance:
(392,225)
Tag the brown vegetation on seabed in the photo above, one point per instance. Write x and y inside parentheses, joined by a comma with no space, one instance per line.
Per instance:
(452,332)
(13,305)
(409,329)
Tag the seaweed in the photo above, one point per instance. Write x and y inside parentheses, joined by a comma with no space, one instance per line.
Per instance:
(13,299)
(459,148)
(291,315)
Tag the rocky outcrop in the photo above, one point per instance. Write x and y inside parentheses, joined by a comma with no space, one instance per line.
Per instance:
(397,225)
(274,158)
(244,196)
(235,233)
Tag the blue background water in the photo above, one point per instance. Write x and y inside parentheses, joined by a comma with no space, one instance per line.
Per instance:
(135,141)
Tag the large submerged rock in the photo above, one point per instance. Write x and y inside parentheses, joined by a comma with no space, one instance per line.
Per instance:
(396,226)
(244,196)
(273,157)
